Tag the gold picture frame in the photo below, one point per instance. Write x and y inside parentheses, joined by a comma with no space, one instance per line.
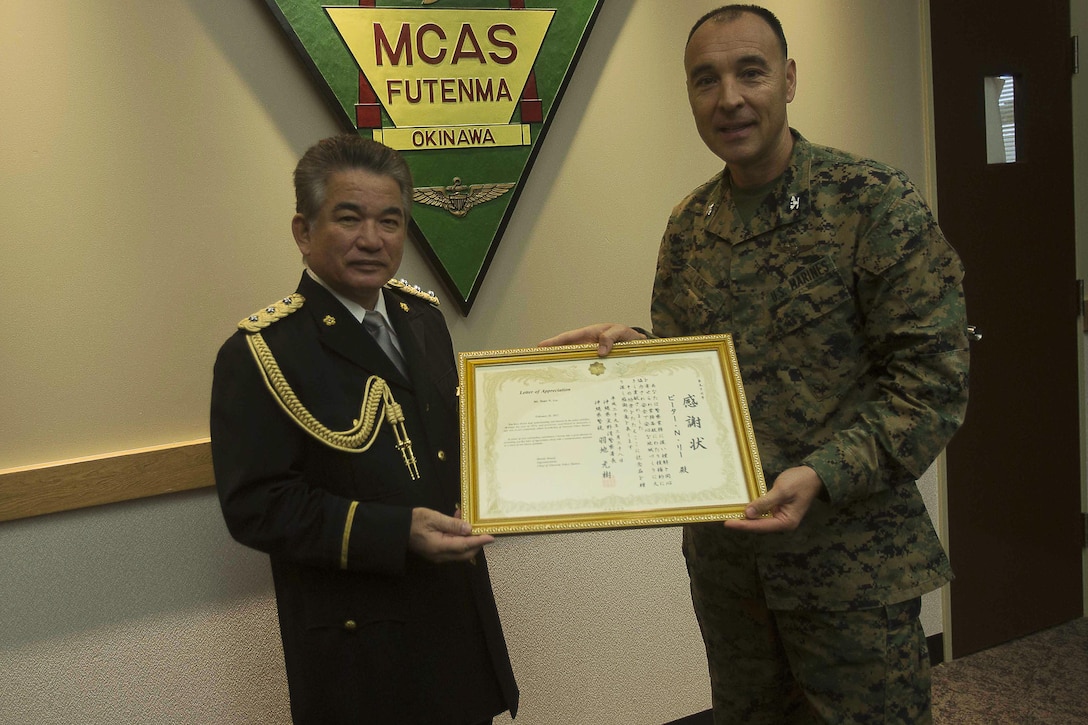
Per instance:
(657,433)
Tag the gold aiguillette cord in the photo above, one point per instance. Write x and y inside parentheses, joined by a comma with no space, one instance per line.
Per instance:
(362,435)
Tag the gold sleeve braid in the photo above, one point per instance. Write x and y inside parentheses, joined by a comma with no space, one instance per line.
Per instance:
(347,535)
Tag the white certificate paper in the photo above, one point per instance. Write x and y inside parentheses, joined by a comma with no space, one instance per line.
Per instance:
(557,439)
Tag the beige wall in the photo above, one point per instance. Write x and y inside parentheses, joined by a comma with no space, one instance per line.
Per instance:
(1080,185)
(145,162)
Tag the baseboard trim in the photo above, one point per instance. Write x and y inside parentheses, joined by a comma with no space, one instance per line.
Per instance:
(935,643)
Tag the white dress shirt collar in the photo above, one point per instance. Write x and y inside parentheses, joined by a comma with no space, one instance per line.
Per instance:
(357,310)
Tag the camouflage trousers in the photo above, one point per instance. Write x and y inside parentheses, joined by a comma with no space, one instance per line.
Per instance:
(779,667)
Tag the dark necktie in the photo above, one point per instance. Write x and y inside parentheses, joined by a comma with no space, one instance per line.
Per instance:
(379,330)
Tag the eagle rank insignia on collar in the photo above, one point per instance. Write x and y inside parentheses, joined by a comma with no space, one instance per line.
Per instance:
(275,311)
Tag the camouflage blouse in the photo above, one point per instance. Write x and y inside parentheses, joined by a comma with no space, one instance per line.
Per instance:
(846,308)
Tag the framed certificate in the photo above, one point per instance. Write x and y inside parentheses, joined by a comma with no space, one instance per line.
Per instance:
(558,439)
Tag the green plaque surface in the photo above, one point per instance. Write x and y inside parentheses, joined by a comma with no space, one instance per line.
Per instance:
(464,89)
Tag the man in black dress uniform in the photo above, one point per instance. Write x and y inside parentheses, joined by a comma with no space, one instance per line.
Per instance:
(335,444)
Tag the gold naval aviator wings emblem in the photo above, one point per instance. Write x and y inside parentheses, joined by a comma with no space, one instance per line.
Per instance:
(457,198)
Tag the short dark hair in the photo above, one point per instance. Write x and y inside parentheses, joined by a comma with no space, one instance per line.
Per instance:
(731,12)
(343,153)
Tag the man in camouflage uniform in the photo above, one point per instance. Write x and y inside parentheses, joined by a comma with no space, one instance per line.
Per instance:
(846,308)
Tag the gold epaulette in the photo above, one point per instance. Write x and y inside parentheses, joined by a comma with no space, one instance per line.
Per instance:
(413,289)
(275,311)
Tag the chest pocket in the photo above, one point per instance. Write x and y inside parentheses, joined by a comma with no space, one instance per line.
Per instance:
(816,329)
(704,306)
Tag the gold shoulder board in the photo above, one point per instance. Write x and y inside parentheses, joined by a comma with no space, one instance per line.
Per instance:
(413,289)
(275,311)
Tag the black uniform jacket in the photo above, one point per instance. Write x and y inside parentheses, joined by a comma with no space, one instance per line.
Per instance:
(371,632)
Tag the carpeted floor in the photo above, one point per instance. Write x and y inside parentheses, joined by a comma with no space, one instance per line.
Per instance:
(1036,680)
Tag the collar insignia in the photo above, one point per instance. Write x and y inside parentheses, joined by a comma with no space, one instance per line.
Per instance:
(329,320)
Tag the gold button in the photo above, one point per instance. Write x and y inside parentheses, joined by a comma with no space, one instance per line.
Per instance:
(441,455)
(350,625)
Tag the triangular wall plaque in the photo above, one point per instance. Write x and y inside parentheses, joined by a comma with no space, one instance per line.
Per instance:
(464,89)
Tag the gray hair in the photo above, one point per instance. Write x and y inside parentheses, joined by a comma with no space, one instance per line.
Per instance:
(346,152)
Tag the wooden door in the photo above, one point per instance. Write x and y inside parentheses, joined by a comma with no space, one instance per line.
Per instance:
(1015,528)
